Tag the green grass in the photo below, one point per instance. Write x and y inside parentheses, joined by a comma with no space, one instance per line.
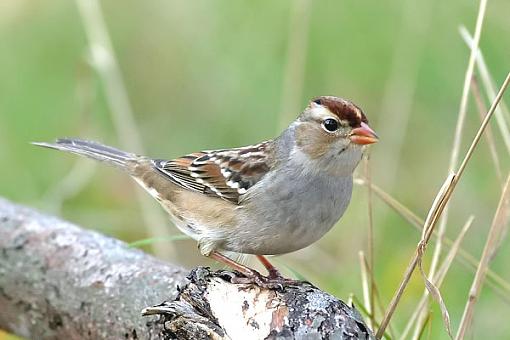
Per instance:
(204,75)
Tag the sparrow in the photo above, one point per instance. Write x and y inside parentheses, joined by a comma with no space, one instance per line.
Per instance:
(275,197)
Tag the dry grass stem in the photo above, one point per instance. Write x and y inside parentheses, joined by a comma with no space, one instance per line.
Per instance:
(465,90)
(475,89)
(454,156)
(426,325)
(497,228)
(106,65)
(435,293)
(353,301)
(490,89)
(365,284)
(394,204)
(437,208)
(350,300)
(377,300)
(483,126)
(497,283)
(438,281)
(435,211)
(370,246)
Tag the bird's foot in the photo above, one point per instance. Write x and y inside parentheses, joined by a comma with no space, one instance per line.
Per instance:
(272,281)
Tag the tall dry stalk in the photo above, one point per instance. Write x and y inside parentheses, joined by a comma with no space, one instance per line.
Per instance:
(498,225)
(497,283)
(367,290)
(434,213)
(458,137)
(491,143)
(436,210)
(437,281)
(502,112)
(365,285)
(370,241)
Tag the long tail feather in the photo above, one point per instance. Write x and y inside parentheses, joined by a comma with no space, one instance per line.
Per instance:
(92,150)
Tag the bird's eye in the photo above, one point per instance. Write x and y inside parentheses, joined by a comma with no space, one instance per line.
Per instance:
(318,101)
(330,124)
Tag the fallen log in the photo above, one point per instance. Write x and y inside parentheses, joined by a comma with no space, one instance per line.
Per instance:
(58,281)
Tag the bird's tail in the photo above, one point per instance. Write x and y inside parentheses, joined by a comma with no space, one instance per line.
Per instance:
(92,150)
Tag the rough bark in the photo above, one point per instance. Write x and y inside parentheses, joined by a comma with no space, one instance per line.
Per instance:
(210,306)
(58,281)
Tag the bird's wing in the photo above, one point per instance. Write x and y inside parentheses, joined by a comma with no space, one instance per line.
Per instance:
(227,174)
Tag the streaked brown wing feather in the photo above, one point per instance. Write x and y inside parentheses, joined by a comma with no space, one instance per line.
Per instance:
(227,174)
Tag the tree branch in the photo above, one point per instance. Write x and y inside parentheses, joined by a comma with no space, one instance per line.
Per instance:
(60,281)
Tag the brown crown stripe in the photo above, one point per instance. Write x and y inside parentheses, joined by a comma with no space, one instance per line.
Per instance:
(343,109)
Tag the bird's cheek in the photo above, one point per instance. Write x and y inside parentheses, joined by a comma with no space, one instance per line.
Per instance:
(314,150)
(311,142)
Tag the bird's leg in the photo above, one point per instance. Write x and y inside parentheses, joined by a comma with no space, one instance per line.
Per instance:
(233,264)
(273,281)
(273,272)
(251,275)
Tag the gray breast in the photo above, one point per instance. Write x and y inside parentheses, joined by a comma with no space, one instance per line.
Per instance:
(290,215)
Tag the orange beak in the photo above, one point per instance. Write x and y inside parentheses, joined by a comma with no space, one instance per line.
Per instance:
(363,135)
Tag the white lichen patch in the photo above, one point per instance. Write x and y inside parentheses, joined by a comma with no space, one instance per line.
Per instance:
(243,314)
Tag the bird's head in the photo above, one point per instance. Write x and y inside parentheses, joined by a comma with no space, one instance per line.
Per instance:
(332,132)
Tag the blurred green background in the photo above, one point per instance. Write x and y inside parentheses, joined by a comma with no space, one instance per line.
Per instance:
(211,74)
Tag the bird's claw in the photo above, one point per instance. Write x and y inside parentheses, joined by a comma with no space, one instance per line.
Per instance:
(273,281)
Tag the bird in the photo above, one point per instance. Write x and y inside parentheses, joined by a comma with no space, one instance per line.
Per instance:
(270,198)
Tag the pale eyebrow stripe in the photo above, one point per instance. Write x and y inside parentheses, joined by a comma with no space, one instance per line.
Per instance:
(322,113)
